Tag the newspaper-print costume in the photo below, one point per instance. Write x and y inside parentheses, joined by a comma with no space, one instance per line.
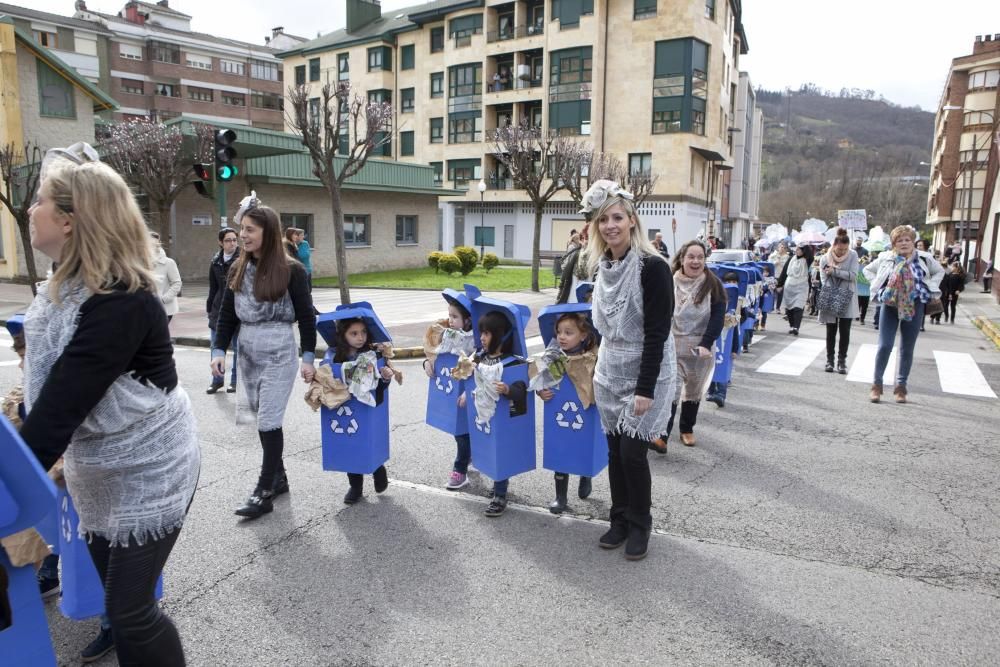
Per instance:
(485,394)
(688,325)
(554,365)
(138,440)
(361,377)
(618,315)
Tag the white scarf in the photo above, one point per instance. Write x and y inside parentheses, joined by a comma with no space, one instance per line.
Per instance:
(798,271)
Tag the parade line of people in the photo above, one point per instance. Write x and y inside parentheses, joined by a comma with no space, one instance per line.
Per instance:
(634,342)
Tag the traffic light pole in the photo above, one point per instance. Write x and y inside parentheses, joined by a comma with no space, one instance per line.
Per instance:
(220,197)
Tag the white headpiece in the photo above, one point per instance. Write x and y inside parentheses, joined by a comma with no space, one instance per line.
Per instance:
(248,202)
(79,153)
(599,193)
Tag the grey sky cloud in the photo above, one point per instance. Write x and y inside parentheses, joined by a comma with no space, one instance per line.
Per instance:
(899,48)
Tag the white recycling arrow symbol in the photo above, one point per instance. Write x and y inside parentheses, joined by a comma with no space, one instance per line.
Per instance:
(570,416)
(67,528)
(352,424)
(446,386)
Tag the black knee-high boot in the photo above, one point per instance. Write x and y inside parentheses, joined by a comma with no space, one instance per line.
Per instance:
(558,506)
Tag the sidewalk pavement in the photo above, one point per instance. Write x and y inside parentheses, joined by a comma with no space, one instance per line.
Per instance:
(405,313)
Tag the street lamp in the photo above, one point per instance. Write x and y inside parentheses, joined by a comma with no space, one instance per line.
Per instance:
(482,218)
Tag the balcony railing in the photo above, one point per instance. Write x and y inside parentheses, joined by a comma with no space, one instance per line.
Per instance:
(518,84)
(501,183)
(516,32)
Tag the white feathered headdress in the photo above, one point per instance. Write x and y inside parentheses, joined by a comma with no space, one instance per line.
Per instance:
(248,202)
(599,193)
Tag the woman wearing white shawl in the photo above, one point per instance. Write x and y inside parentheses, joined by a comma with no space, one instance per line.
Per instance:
(793,282)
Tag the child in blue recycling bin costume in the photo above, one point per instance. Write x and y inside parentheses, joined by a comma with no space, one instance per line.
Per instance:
(502,419)
(728,344)
(444,343)
(573,439)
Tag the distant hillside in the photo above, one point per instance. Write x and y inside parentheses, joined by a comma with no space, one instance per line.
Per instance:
(825,151)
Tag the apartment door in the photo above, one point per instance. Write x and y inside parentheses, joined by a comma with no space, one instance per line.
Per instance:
(508,240)
(459,225)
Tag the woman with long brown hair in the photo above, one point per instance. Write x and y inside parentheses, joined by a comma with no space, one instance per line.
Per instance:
(699,314)
(838,269)
(267,292)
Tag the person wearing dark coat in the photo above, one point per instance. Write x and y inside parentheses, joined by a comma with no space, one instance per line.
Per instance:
(218,272)
(951,285)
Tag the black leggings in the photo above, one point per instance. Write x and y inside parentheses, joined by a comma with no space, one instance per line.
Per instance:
(950,302)
(863,305)
(794,317)
(630,481)
(143,634)
(273,445)
(689,416)
(844,324)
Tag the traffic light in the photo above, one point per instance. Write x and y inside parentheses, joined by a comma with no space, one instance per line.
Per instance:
(204,177)
(225,154)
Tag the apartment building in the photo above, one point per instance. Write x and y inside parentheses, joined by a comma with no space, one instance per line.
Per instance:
(743,181)
(962,201)
(650,81)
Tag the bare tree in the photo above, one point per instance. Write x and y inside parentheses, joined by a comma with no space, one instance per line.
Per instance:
(639,183)
(20,168)
(364,126)
(535,162)
(157,160)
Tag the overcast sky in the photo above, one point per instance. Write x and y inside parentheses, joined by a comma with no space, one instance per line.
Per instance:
(899,48)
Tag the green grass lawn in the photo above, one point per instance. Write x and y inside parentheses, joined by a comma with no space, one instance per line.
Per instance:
(500,279)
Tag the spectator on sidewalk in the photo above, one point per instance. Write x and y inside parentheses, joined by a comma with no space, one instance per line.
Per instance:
(988,278)
(661,246)
(168,278)
(218,273)
(304,252)
(951,285)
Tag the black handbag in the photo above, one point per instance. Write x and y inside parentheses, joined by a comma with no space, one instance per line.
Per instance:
(835,297)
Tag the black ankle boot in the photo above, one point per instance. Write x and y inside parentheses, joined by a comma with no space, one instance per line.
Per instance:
(616,535)
(585,488)
(381,476)
(257,505)
(558,506)
(829,365)
(356,489)
(842,365)
(637,544)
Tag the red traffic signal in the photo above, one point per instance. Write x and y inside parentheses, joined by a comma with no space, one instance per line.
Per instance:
(203,176)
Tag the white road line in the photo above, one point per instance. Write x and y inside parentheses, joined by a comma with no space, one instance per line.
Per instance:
(14,362)
(863,367)
(795,358)
(959,374)
(534,341)
(756,339)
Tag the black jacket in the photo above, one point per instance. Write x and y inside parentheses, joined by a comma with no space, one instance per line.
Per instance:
(952,283)
(218,273)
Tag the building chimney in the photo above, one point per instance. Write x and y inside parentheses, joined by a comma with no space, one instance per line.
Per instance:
(267,40)
(133,15)
(986,44)
(277,30)
(362,12)
(164,3)
(80,6)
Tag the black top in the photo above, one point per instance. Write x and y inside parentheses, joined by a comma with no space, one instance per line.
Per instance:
(952,283)
(117,333)
(298,290)
(218,272)
(657,314)
(716,320)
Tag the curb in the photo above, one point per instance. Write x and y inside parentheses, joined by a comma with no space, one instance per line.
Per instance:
(989,329)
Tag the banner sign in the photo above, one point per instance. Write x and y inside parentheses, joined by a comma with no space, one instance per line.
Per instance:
(853,219)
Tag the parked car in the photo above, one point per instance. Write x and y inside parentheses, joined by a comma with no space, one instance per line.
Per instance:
(730,257)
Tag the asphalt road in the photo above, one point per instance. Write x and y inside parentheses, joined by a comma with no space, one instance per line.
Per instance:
(806,527)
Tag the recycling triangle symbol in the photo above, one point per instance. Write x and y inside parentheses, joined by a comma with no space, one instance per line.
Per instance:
(349,424)
(569,416)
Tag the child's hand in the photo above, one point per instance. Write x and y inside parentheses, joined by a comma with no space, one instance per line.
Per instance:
(545,394)
(385,372)
(429,368)
(502,388)
(461,400)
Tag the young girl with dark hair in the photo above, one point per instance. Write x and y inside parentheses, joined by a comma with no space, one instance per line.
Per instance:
(839,267)
(267,292)
(496,338)
(352,340)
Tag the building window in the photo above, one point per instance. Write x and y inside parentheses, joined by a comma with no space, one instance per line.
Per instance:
(640,163)
(406,57)
(987,79)
(406,144)
(300,75)
(380,58)
(234,99)
(571,72)
(710,9)
(264,100)
(314,69)
(130,51)
(168,89)
(233,67)
(198,62)
(303,221)
(643,9)
(49,40)
(464,27)
(570,118)
(460,172)
(437,84)
(437,130)
(977,118)
(382,144)
(314,112)
(406,99)
(438,169)
(56,95)
(406,230)
(164,52)
(465,87)
(199,94)
(379,96)
(465,127)
(265,70)
(356,230)
(343,66)
(680,86)
(485,236)
(132,86)
(437,39)
(569,11)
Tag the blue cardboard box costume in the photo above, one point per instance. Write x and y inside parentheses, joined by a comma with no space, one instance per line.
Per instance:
(573,441)
(504,445)
(26,496)
(443,391)
(355,436)
(724,344)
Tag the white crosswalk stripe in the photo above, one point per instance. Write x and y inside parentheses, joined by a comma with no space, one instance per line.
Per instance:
(794,358)
(959,374)
(863,367)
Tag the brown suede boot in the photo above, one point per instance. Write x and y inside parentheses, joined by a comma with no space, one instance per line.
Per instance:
(900,393)
(876,393)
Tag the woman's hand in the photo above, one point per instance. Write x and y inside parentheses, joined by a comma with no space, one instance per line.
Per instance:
(218,366)
(641,405)
(701,352)
(461,400)
(501,388)
(308,372)
(386,373)
(545,394)
(429,368)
